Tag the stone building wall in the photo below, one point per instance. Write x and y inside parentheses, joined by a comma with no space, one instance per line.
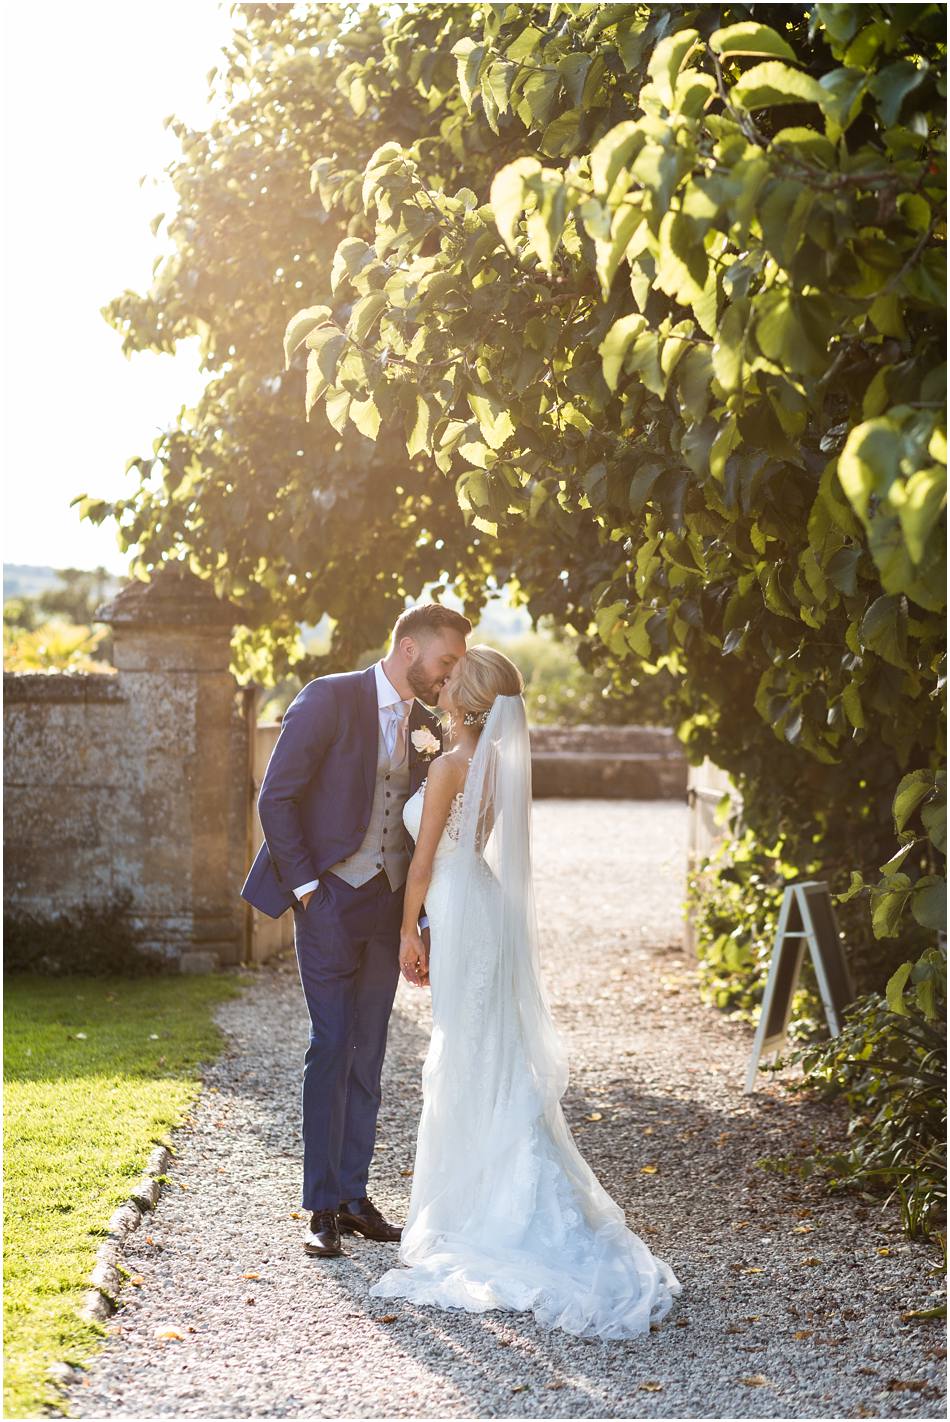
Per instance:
(137,779)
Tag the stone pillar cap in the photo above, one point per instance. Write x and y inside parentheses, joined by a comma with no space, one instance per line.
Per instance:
(174,597)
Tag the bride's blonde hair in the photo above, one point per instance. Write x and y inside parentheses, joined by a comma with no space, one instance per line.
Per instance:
(485,673)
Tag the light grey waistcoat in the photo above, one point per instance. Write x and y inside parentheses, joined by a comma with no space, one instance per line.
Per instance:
(384,844)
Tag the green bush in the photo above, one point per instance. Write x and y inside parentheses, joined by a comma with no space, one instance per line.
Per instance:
(890,1067)
(94,939)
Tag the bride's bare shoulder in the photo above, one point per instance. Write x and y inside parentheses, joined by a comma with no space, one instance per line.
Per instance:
(448,771)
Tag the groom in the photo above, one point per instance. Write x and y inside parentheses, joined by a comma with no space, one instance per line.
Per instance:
(352,748)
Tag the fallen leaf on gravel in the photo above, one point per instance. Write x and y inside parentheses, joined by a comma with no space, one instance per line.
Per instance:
(387,1318)
(169,1333)
(648,1130)
(650,1385)
(519,1387)
(149,1239)
(594,1116)
(249,1275)
(906,1384)
(752,1318)
(554,1386)
(756,1380)
(810,1260)
(883,1249)
(682,1322)
(803,1229)
(802,1333)
(248,1299)
(405,1172)
(648,1169)
(136,1279)
(754,1269)
(742,1224)
(298,1214)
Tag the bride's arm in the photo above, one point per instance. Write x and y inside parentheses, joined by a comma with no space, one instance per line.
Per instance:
(442,782)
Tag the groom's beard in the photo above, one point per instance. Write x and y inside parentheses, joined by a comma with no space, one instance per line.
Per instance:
(422,685)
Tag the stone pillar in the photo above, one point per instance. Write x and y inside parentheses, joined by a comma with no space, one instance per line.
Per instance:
(181,817)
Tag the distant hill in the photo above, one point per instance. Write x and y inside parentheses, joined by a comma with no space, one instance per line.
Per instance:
(31,579)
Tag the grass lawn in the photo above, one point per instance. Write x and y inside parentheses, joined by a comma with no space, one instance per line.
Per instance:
(81,1115)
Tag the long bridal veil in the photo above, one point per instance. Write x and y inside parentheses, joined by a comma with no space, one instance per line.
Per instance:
(504,1210)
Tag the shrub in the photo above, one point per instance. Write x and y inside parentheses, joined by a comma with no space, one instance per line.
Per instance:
(97,939)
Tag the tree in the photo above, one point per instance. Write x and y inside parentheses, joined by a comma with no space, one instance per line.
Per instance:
(701,310)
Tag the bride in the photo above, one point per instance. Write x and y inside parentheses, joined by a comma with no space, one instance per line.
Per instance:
(504,1211)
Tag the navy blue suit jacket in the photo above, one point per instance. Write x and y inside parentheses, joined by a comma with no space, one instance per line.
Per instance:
(317,793)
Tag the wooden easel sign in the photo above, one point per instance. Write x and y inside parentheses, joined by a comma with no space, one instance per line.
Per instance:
(807,916)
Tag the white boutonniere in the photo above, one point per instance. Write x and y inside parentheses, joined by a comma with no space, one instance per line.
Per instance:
(425,742)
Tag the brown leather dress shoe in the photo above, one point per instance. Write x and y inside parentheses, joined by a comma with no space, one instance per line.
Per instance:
(362,1217)
(323,1237)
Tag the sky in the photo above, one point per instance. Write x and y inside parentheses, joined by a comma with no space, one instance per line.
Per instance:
(85,89)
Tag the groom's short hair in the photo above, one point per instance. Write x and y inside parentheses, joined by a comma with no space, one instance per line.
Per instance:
(429,617)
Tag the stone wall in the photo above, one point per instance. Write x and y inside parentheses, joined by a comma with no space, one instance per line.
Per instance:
(607,763)
(137,779)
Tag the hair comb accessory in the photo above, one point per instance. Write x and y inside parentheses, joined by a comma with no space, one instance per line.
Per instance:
(475,718)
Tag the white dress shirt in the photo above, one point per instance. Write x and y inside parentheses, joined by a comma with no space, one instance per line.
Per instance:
(388,701)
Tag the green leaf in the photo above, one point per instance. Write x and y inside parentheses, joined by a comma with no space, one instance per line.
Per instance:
(326,347)
(894,992)
(891,85)
(613,348)
(889,907)
(669,58)
(921,508)
(537,96)
(781,334)
(365,416)
(493,418)
(748,37)
(851,700)
(418,439)
(527,45)
(350,257)
(573,69)
(611,153)
(934,816)
(641,484)
(316,382)
(365,314)
(913,788)
(299,327)
(727,348)
(884,629)
(507,196)
(928,903)
(469,71)
(770,84)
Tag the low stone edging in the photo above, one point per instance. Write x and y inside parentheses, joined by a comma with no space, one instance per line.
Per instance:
(101,1299)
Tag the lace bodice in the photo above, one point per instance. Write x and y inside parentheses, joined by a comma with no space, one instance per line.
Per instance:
(412,817)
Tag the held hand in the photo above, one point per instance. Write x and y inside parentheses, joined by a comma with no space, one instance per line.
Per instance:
(413,957)
(305,898)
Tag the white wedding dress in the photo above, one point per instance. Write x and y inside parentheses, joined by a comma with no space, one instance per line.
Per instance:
(504,1211)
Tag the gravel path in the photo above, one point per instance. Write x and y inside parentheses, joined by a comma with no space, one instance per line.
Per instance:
(789,1306)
